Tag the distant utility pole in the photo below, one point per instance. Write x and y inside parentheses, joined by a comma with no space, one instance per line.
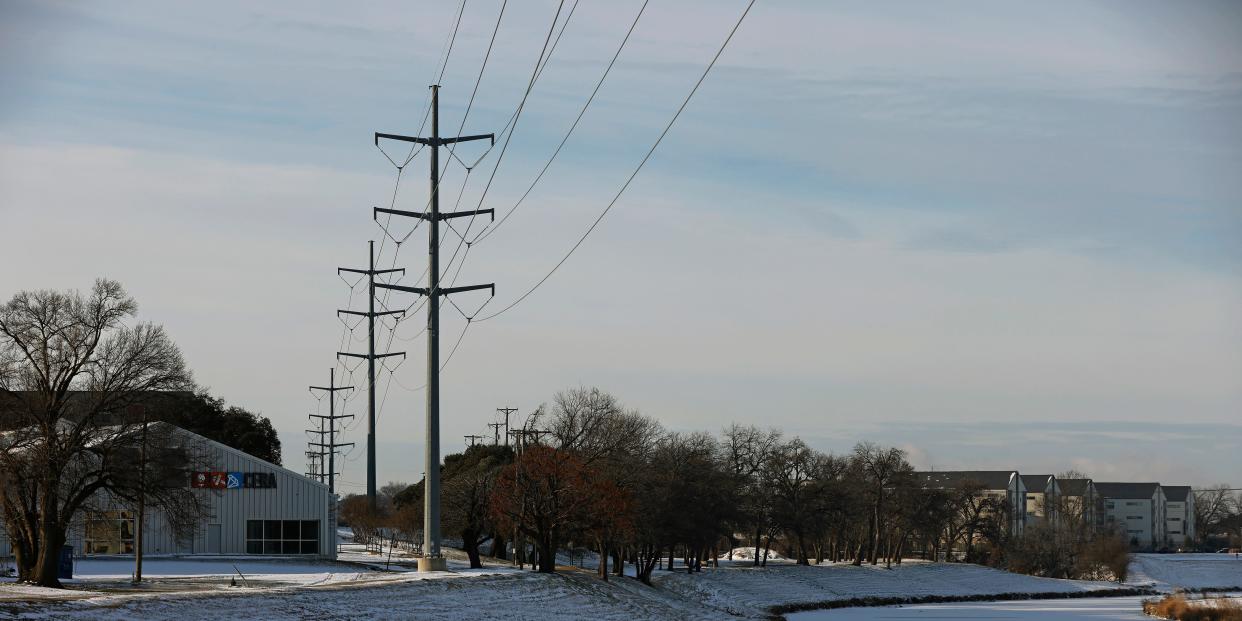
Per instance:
(314,456)
(331,445)
(496,433)
(432,559)
(314,465)
(371,357)
(522,437)
(506,412)
(473,439)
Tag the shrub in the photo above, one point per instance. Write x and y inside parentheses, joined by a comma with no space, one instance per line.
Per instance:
(1105,557)
(1178,608)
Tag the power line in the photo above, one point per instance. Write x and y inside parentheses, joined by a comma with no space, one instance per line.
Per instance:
(530,85)
(638,168)
(541,64)
(507,131)
(487,231)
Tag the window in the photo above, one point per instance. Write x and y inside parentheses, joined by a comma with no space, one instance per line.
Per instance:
(282,536)
(1134,517)
(1175,519)
(1175,532)
(1130,503)
(110,532)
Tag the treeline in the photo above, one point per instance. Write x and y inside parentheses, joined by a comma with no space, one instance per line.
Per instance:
(589,473)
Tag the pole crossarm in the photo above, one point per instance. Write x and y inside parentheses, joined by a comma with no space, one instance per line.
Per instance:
(330,417)
(367,314)
(370,356)
(368,272)
(441,291)
(332,389)
(326,445)
(435,141)
(426,216)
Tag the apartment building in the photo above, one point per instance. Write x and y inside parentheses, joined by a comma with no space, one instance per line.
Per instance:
(1137,510)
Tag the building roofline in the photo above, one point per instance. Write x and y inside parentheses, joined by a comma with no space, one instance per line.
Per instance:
(240,453)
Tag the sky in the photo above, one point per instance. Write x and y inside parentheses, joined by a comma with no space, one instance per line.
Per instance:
(996,234)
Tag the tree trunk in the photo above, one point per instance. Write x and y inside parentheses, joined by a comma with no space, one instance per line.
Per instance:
(23,555)
(758,539)
(603,561)
(470,541)
(767,547)
(547,555)
(647,559)
(47,565)
(498,547)
(873,535)
(618,562)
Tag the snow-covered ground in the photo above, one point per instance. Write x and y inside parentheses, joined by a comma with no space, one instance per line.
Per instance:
(1191,571)
(195,588)
(748,554)
(747,590)
(515,595)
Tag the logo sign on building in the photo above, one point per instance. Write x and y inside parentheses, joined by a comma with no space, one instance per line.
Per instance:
(233,480)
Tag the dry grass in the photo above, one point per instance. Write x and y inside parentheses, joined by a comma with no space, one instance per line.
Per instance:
(1178,608)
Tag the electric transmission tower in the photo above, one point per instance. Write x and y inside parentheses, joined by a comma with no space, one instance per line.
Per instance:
(330,447)
(432,559)
(370,357)
(314,456)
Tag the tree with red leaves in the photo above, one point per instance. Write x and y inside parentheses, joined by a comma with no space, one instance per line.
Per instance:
(549,494)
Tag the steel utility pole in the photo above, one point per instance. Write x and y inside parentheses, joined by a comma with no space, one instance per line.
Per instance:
(142,499)
(474,439)
(371,357)
(314,456)
(432,560)
(507,412)
(331,445)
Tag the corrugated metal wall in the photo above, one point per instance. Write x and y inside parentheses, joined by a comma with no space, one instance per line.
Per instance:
(295,497)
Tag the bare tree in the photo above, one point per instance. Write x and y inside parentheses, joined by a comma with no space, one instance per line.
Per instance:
(882,468)
(1214,506)
(70,367)
(746,451)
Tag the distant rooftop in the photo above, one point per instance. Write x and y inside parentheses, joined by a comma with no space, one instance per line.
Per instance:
(989,479)
(1036,482)
(1176,493)
(1073,487)
(1126,490)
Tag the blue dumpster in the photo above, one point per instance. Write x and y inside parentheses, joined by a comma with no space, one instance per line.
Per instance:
(65,570)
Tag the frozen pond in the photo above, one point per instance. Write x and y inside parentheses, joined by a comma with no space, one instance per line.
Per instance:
(1094,609)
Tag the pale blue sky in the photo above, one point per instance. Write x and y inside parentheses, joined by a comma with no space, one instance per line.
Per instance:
(930,224)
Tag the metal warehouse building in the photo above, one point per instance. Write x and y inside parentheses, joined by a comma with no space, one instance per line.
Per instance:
(255,507)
